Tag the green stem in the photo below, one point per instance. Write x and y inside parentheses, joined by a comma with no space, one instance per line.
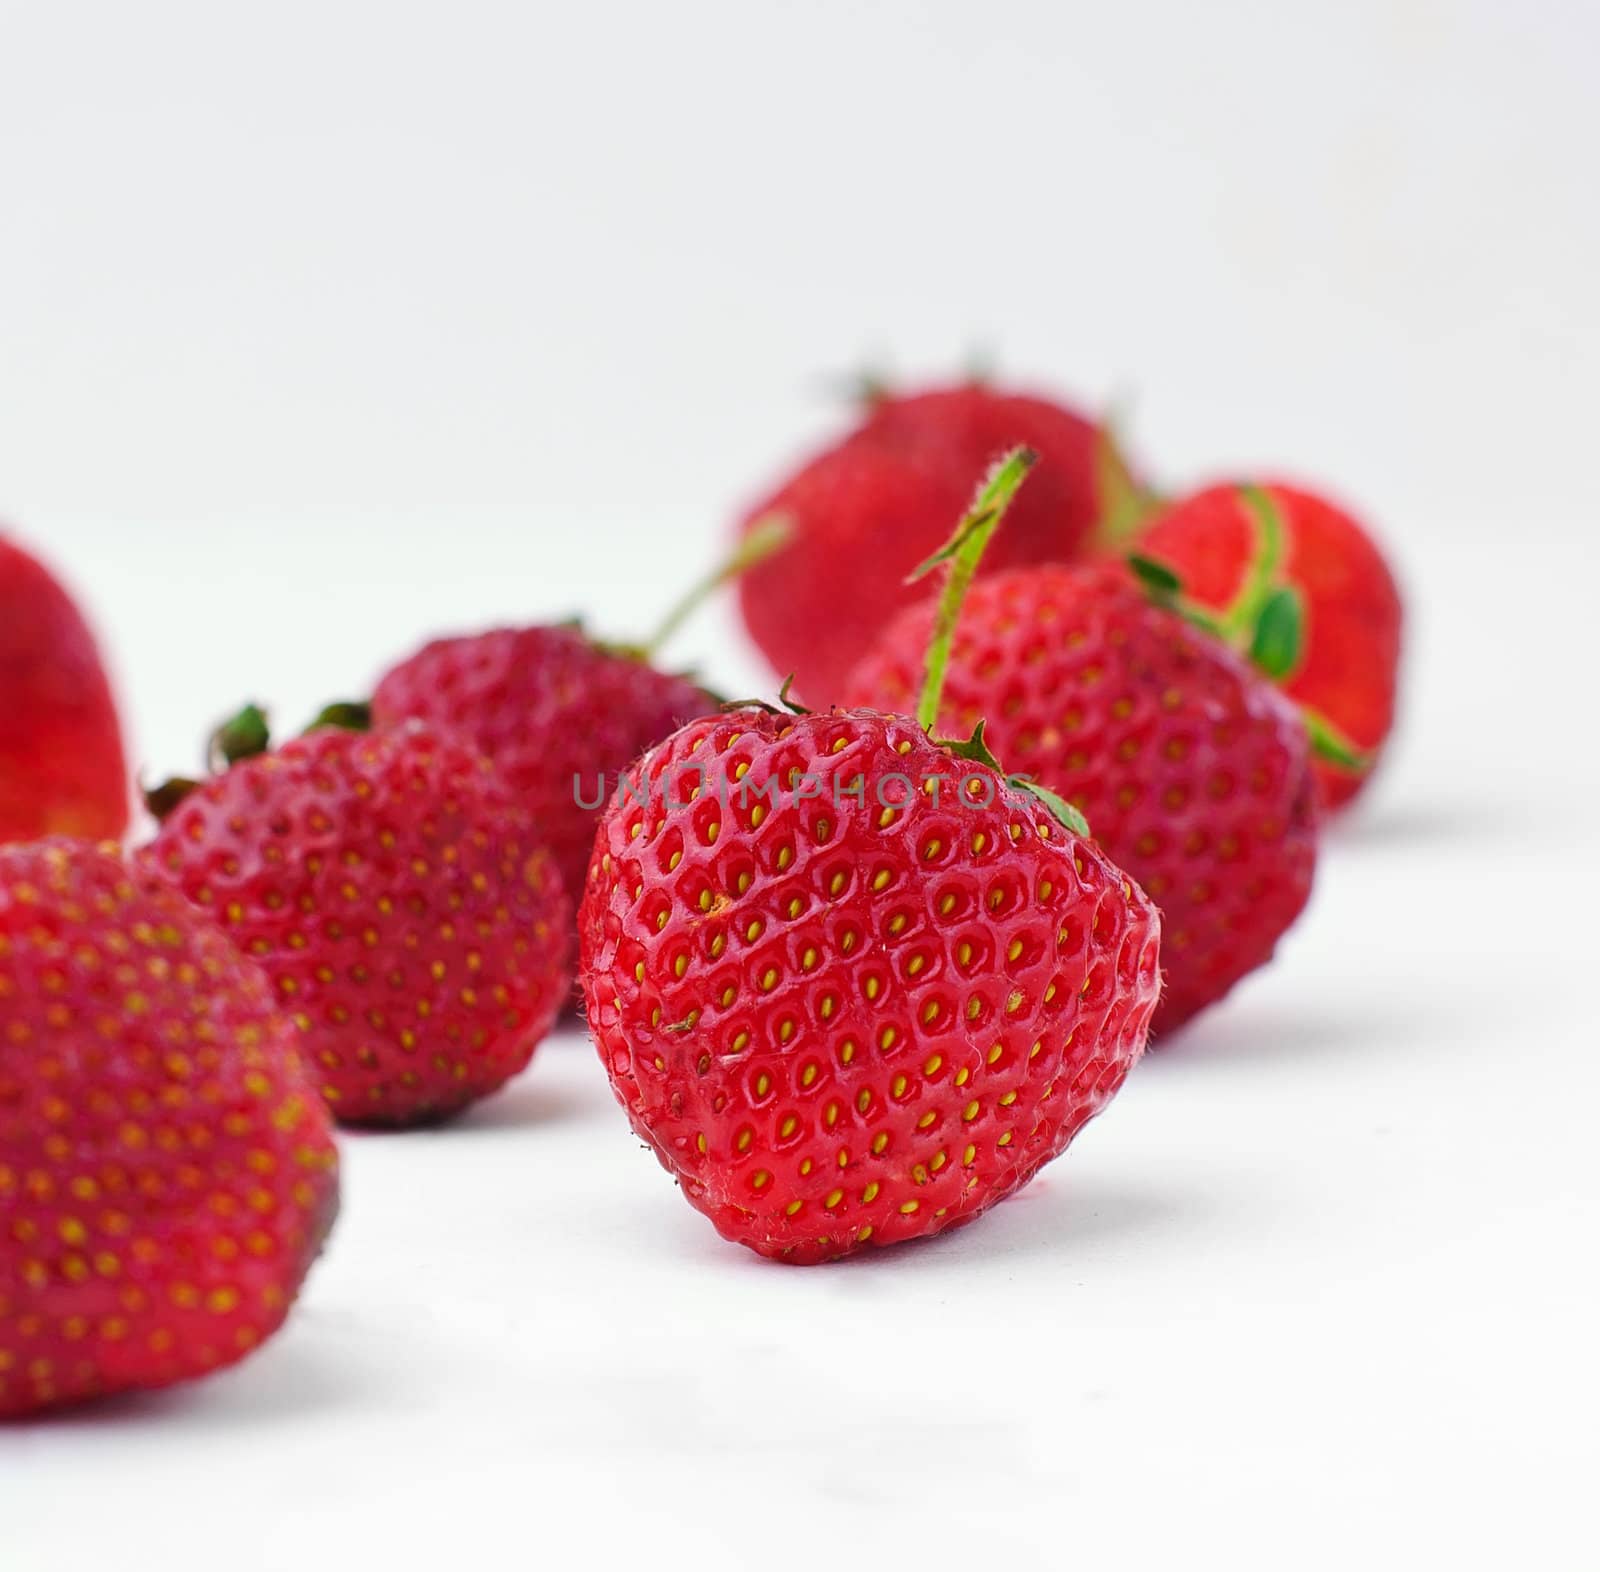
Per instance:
(1124,505)
(763,538)
(1331,745)
(1240,619)
(962,552)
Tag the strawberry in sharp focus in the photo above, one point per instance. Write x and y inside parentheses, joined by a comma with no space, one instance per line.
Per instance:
(852,985)
(1192,769)
(166,1171)
(883,497)
(842,1019)
(393,889)
(1232,546)
(560,714)
(62,770)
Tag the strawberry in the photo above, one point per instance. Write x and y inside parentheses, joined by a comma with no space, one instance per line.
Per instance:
(62,769)
(167,1175)
(1193,770)
(1233,547)
(852,985)
(881,497)
(560,714)
(391,887)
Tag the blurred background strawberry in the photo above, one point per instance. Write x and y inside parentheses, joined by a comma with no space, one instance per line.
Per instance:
(62,770)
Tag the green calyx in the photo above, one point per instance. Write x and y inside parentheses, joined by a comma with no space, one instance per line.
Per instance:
(346,714)
(162,800)
(976,749)
(241,736)
(246,735)
(1240,620)
(1159,581)
(1279,632)
(1058,805)
(1266,621)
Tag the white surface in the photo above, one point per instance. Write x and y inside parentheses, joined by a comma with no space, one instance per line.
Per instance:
(362,321)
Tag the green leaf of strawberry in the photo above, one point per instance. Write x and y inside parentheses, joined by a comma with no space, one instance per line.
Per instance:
(1279,635)
(1059,806)
(1157,578)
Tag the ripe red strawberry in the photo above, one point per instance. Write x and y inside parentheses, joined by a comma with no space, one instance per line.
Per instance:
(854,986)
(166,1172)
(392,888)
(883,498)
(1192,770)
(62,770)
(1230,544)
(839,1018)
(559,715)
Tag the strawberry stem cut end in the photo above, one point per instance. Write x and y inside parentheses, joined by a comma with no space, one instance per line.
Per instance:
(962,553)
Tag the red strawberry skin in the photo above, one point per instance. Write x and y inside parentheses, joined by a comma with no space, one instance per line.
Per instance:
(1192,770)
(553,711)
(62,769)
(167,1174)
(867,510)
(391,888)
(1349,665)
(844,1022)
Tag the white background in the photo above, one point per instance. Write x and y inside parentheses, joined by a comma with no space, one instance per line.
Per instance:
(325,326)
